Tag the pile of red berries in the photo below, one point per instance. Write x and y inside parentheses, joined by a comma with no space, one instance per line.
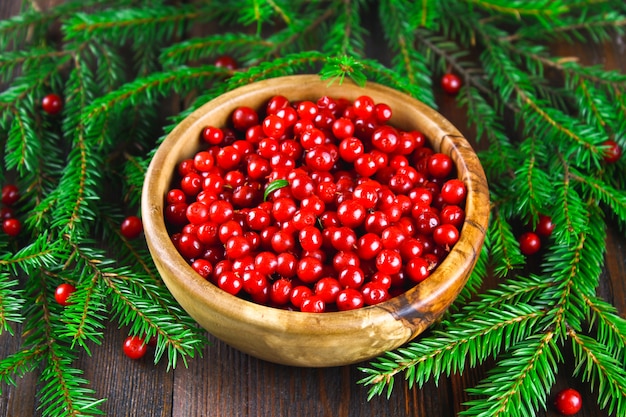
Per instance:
(315,206)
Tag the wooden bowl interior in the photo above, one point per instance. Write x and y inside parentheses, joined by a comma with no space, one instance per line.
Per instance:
(306,339)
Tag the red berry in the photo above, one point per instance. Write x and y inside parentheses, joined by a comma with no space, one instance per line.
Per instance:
(613,151)
(453,191)
(365,211)
(62,293)
(10,194)
(451,83)
(313,304)
(52,103)
(226,61)
(349,299)
(440,165)
(529,243)
(568,402)
(131,227)
(135,347)
(544,226)
(244,118)
(446,235)
(11,226)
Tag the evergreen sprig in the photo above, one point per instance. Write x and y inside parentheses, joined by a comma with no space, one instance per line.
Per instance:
(121,65)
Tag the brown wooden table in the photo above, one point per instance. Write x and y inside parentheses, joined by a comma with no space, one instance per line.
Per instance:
(225,382)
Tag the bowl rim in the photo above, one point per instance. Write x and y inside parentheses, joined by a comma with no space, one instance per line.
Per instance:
(401,306)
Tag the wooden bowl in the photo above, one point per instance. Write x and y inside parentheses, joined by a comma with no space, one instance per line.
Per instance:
(314,339)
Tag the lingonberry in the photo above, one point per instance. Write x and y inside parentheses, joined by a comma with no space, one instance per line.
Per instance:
(213,135)
(418,269)
(280,291)
(349,299)
(451,83)
(6,213)
(244,117)
(203,267)
(135,347)
(327,289)
(12,226)
(63,292)
(453,191)
(131,227)
(226,61)
(613,151)
(568,402)
(452,214)
(529,243)
(10,194)
(315,205)
(545,226)
(298,294)
(52,103)
(446,235)
(440,165)
(313,304)
(374,293)
(230,282)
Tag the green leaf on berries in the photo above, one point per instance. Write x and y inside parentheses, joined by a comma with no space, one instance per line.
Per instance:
(273,186)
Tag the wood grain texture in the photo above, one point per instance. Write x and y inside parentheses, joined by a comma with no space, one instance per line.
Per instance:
(227,383)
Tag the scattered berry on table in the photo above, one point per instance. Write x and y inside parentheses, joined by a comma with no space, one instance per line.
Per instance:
(135,347)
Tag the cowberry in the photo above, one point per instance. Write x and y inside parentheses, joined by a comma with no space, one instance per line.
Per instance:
(568,402)
(451,83)
(131,227)
(52,104)
(135,347)
(226,61)
(63,292)
(12,226)
(453,191)
(545,226)
(314,205)
(612,151)
(10,194)
(529,243)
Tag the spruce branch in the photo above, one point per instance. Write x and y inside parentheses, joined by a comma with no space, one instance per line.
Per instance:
(120,65)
